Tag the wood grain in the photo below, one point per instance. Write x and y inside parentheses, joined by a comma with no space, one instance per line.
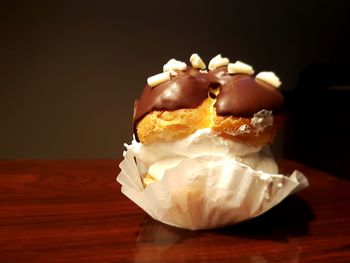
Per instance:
(73,211)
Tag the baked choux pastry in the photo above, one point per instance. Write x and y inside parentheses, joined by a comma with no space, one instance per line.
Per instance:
(200,157)
(227,98)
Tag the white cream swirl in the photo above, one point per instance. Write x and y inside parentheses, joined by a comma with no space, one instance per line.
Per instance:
(159,157)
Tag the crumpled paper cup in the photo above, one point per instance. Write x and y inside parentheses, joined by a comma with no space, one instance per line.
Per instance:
(206,192)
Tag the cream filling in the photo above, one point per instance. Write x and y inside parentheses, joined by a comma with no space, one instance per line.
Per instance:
(159,157)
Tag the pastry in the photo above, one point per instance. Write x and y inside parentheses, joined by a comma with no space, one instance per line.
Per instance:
(200,156)
(227,99)
(194,99)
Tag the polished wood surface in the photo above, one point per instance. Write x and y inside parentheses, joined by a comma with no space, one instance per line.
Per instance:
(73,211)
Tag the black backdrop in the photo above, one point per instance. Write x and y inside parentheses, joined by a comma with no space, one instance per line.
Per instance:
(70,70)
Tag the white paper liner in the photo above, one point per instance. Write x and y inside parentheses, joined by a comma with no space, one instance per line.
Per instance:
(206,192)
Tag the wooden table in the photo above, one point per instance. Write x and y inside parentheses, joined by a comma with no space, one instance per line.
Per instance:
(73,211)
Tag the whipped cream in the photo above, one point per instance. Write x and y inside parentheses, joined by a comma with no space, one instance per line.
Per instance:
(161,156)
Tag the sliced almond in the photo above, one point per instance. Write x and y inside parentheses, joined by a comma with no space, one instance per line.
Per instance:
(218,61)
(197,62)
(240,67)
(269,77)
(158,78)
(173,65)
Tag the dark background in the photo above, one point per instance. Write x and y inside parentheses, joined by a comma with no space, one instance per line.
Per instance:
(70,70)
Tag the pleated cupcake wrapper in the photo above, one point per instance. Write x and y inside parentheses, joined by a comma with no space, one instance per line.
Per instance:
(206,192)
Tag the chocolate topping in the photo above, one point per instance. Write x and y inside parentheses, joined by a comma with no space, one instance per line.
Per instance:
(240,95)
(188,89)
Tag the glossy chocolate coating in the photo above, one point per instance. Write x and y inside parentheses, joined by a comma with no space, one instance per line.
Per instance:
(188,89)
(240,95)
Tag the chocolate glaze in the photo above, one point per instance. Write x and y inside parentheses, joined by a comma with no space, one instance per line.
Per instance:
(188,89)
(240,95)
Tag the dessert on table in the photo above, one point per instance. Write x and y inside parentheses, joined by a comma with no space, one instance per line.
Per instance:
(200,156)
